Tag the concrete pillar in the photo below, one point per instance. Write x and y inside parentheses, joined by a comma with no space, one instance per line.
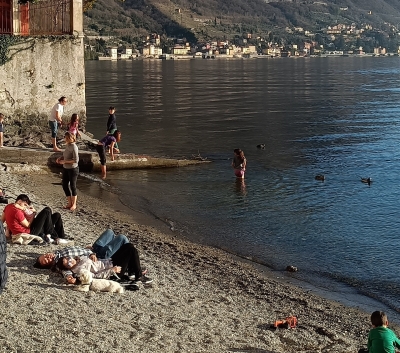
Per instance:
(15,17)
(77,18)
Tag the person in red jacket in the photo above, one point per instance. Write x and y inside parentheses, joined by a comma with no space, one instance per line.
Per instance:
(21,217)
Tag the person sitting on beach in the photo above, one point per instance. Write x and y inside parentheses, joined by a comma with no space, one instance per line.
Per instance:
(126,259)
(107,141)
(21,217)
(381,339)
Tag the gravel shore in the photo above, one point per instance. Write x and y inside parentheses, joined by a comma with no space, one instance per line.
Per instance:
(202,299)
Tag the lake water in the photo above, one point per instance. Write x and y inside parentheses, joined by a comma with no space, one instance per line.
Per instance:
(334,116)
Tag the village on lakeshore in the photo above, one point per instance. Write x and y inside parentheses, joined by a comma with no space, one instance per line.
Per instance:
(248,45)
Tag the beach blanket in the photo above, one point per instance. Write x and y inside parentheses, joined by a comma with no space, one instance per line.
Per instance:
(25,238)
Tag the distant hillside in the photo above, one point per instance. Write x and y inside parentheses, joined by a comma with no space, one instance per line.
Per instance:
(211,19)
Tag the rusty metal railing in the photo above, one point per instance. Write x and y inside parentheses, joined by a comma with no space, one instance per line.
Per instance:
(6,17)
(46,17)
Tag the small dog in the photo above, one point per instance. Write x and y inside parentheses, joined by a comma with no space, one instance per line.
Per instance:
(97,285)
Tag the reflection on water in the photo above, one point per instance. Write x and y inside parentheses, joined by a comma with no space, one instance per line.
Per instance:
(335,116)
(240,187)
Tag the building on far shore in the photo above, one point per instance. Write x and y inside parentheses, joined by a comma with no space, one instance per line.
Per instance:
(380,51)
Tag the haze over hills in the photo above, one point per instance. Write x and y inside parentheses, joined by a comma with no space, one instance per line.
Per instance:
(206,19)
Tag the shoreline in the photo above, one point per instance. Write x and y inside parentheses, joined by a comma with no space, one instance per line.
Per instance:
(202,300)
(332,290)
(235,57)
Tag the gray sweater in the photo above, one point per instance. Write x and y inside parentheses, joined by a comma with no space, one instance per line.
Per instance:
(71,152)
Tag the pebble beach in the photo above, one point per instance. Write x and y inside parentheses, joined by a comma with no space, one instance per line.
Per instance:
(202,299)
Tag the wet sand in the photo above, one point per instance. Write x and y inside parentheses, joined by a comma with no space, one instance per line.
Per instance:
(202,299)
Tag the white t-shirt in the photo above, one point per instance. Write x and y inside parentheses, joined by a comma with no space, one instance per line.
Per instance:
(57,108)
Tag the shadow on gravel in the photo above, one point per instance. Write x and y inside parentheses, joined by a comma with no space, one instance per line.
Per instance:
(250,350)
(50,285)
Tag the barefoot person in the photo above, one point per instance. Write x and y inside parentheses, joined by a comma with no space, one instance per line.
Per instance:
(239,163)
(107,141)
(21,217)
(69,161)
(112,123)
(55,120)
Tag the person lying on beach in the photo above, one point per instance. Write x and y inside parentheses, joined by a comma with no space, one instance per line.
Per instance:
(21,217)
(105,247)
(126,259)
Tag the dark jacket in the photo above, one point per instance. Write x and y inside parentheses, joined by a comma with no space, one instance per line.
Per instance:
(3,255)
(111,123)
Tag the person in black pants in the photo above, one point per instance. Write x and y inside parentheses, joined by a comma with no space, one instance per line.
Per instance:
(47,222)
(21,217)
(127,257)
(3,256)
(124,260)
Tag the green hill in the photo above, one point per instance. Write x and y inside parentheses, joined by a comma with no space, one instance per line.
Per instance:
(218,19)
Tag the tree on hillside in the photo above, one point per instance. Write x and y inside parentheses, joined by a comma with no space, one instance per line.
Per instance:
(88,4)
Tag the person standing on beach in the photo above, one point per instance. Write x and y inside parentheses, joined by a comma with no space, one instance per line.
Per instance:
(239,163)
(69,161)
(107,141)
(3,257)
(1,129)
(55,120)
(112,123)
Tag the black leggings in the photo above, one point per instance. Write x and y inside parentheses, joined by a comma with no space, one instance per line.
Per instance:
(69,177)
(101,150)
(48,223)
(128,258)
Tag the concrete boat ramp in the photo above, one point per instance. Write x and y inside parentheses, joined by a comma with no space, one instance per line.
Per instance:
(90,162)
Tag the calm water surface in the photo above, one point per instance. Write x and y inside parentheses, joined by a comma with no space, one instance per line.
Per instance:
(336,116)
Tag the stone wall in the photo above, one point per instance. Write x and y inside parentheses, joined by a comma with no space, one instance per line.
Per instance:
(41,70)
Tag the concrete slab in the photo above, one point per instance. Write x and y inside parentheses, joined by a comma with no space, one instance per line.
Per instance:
(89,161)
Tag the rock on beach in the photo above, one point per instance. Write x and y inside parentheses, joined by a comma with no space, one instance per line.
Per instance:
(202,299)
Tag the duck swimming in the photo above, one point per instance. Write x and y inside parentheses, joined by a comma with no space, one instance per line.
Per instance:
(261,146)
(320,177)
(366,180)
